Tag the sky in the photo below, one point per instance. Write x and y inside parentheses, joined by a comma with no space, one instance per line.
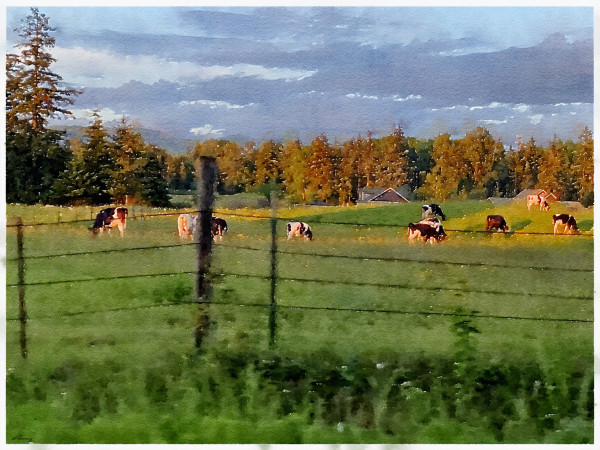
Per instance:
(195,73)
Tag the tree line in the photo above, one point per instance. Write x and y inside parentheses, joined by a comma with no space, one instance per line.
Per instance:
(114,165)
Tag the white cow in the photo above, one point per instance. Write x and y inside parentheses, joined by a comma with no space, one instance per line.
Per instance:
(186,225)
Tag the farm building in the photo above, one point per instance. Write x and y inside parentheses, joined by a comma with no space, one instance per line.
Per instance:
(389,195)
(550,197)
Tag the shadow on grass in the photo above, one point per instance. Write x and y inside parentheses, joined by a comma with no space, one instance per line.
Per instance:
(516,226)
(586,225)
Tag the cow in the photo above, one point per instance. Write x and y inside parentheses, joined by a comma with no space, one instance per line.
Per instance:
(219,227)
(432,210)
(110,218)
(497,222)
(534,200)
(432,221)
(567,220)
(186,225)
(299,229)
(426,232)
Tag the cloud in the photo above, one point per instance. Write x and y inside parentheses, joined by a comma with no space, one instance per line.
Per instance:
(207,130)
(105,69)
(397,98)
(536,118)
(107,114)
(213,104)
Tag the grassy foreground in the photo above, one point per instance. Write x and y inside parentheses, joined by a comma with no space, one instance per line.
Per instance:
(498,349)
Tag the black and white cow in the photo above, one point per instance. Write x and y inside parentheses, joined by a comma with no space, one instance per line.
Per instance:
(426,231)
(567,220)
(497,222)
(219,227)
(299,229)
(110,218)
(433,210)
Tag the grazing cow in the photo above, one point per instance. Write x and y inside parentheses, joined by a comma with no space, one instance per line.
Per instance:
(433,210)
(534,200)
(186,225)
(110,218)
(497,222)
(567,220)
(219,227)
(426,232)
(299,229)
(432,221)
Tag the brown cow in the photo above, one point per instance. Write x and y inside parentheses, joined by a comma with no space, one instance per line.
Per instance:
(498,222)
(426,232)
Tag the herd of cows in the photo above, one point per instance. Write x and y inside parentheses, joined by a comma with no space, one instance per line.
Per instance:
(428,229)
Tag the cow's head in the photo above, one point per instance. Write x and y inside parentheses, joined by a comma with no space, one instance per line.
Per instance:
(308,234)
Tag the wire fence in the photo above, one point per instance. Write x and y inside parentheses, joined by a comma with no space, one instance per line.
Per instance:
(274,278)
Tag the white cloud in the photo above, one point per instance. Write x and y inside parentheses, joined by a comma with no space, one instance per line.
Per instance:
(207,130)
(214,104)
(521,107)
(397,98)
(105,69)
(357,95)
(536,118)
(106,114)
(494,122)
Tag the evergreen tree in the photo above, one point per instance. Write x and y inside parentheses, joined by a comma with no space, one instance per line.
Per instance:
(35,155)
(294,170)
(152,177)
(479,152)
(129,147)
(583,167)
(449,169)
(348,174)
(320,169)
(267,163)
(368,162)
(553,170)
(392,170)
(233,174)
(525,164)
(420,161)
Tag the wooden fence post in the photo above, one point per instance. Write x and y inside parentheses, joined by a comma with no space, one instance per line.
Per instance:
(21,274)
(206,176)
(273,306)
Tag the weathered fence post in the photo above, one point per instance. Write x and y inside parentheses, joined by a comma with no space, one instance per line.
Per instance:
(206,176)
(21,274)
(273,307)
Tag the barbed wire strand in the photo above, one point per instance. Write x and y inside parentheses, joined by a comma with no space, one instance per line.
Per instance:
(310,280)
(321,255)
(313,308)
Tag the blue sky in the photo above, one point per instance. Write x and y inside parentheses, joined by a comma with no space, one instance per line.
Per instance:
(273,72)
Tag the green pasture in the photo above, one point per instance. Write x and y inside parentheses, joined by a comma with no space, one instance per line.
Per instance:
(119,320)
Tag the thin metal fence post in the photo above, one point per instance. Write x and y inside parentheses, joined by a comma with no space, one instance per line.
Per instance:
(21,274)
(207,173)
(273,306)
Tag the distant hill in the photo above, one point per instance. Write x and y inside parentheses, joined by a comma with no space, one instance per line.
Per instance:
(170,143)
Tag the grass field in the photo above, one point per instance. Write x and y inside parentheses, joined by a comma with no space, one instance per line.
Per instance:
(377,341)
